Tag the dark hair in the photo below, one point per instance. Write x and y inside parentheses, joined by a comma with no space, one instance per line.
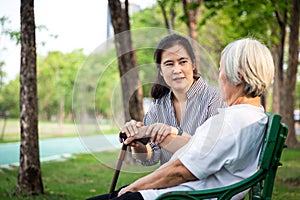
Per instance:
(160,88)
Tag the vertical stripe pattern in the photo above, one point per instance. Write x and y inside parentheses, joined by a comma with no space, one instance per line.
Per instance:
(202,103)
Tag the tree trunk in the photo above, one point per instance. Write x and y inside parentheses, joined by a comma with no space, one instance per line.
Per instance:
(29,177)
(278,78)
(168,24)
(172,20)
(191,10)
(291,75)
(61,114)
(132,92)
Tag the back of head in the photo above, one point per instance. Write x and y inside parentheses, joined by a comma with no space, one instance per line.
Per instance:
(249,61)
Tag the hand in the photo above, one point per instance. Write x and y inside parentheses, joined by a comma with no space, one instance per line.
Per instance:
(131,129)
(137,139)
(126,189)
(159,131)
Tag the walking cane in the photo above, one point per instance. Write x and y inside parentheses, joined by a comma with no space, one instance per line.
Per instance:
(121,158)
(118,168)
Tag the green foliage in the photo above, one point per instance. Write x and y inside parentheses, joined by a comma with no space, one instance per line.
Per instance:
(223,22)
(149,17)
(14,35)
(59,75)
(9,99)
(56,76)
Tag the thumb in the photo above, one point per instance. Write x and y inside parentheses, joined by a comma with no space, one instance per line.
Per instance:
(128,140)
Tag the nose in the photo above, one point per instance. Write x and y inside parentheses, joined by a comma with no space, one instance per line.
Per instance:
(176,68)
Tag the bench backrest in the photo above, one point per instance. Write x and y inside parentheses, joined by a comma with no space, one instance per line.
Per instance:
(274,144)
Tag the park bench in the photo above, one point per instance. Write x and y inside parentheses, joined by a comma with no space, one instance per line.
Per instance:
(261,182)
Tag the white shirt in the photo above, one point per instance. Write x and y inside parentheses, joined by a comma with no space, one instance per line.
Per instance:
(223,151)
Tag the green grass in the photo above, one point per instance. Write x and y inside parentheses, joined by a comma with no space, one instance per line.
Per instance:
(84,176)
(77,178)
(52,130)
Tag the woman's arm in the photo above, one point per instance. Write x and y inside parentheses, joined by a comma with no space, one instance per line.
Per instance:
(173,142)
(161,134)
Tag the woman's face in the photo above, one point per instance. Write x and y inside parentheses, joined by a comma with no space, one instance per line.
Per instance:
(177,69)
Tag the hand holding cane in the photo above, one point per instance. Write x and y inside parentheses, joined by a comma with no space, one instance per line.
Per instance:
(121,158)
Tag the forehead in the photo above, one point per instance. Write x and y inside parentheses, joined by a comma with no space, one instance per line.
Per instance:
(175,52)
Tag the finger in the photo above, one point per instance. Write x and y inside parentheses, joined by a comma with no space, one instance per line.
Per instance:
(132,129)
(133,144)
(164,134)
(135,127)
(121,192)
(128,140)
(124,129)
(159,134)
(154,132)
(148,131)
(120,140)
(128,128)
(139,124)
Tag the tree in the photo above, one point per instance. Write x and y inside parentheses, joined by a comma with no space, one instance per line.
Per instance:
(281,13)
(191,10)
(56,76)
(169,23)
(29,177)
(291,74)
(132,93)
(275,18)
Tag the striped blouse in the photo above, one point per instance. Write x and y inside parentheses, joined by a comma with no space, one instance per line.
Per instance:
(202,103)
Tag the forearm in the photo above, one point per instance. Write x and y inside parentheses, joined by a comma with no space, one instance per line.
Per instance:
(171,174)
(173,142)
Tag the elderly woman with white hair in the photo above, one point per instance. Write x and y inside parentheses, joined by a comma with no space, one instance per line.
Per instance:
(225,149)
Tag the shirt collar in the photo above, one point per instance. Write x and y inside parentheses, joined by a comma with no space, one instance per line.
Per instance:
(195,88)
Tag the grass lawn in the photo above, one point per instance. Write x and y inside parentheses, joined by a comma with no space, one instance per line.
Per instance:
(10,130)
(84,176)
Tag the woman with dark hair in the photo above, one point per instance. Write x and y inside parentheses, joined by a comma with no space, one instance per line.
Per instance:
(182,101)
(160,88)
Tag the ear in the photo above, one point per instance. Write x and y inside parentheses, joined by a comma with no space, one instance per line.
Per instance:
(240,77)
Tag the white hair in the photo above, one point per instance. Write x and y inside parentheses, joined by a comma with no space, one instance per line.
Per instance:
(249,61)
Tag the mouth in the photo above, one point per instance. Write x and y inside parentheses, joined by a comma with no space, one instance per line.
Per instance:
(178,78)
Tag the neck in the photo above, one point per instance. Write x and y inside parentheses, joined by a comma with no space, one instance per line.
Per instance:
(254,101)
(179,97)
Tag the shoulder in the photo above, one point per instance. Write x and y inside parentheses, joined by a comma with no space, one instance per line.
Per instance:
(243,115)
(202,87)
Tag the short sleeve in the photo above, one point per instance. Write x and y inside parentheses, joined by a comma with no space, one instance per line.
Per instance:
(209,150)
